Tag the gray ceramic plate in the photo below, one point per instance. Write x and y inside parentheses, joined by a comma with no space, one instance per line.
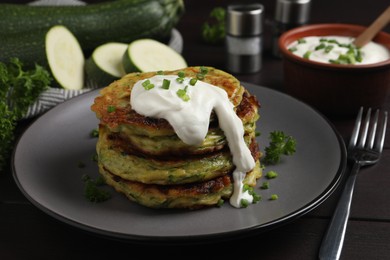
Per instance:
(46,158)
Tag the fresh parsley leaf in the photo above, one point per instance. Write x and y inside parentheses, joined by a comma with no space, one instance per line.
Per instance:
(92,191)
(19,88)
(213,31)
(280,144)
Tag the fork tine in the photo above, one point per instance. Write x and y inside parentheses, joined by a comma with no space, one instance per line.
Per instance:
(380,141)
(372,133)
(356,129)
(363,135)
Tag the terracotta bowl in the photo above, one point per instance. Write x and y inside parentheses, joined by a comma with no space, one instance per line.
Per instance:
(334,89)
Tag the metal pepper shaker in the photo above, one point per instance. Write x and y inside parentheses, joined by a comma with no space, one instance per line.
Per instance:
(244,28)
(289,14)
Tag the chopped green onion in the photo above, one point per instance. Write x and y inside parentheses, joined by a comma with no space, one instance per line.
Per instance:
(204,70)
(292,49)
(271,175)
(256,198)
(323,40)
(150,86)
(301,41)
(94,133)
(307,55)
(166,84)
(244,203)
(182,93)
(319,47)
(181,74)
(328,48)
(200,76)
(193,81)
(160,72)
(334,61)
(180,80)
(111,109)
(265,185)
(147,85)
(220,202)
(359,57)
(333,41)
(274,197)
(246,187)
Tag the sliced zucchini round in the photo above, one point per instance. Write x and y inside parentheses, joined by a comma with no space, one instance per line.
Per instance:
(146,55)
(105,64)
(65,57)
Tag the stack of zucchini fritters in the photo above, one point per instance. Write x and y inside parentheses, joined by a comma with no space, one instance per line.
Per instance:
(143,158)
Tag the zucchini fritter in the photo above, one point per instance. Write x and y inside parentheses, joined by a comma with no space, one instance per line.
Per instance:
(143,158)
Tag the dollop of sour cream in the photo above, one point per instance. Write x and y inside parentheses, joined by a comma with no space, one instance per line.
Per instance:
(190,118)
(338,49)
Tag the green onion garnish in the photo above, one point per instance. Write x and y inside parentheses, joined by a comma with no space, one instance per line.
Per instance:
(182,93)
(319,47)
(328,48)
(274,197)
(200,76)
(307,54)
(256,198)
(181,74)
(244,203)
(333,41)
(166,84)
(160,72)
(220,202)
(292,49)
(193,81)
(301,41)
(147,85)
(204,70)
(94,133)
(265,185)
(271,175)
(180,80)
(358,56)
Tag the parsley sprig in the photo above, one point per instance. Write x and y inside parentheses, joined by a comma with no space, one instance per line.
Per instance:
(19,88)
(280,144)
(213,31)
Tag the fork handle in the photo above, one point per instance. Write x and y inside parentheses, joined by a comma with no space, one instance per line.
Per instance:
(333,241)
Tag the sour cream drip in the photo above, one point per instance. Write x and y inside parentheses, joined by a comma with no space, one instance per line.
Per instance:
(190,119)
(371,52)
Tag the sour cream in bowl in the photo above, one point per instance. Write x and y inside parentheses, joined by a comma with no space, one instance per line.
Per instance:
(338,50)
(323,68)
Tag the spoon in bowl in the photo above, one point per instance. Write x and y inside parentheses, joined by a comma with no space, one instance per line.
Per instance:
(368,34)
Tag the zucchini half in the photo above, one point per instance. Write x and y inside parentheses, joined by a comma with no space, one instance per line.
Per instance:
(145,55)
(105,64)
(65,57)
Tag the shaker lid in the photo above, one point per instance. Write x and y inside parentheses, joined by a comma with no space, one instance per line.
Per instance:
(244,19)
(292,11)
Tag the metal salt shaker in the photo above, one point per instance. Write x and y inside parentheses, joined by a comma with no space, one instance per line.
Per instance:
(244,28)
(289,14)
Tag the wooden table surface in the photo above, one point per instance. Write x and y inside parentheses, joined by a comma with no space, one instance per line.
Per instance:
(28,233)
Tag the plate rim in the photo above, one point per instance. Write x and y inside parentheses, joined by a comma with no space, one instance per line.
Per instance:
(203,238)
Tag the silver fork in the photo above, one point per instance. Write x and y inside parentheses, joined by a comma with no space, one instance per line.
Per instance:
(361,152)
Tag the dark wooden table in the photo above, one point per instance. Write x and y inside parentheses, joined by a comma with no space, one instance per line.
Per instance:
(28,233)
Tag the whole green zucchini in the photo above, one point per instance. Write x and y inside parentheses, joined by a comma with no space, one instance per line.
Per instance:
(94,24)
